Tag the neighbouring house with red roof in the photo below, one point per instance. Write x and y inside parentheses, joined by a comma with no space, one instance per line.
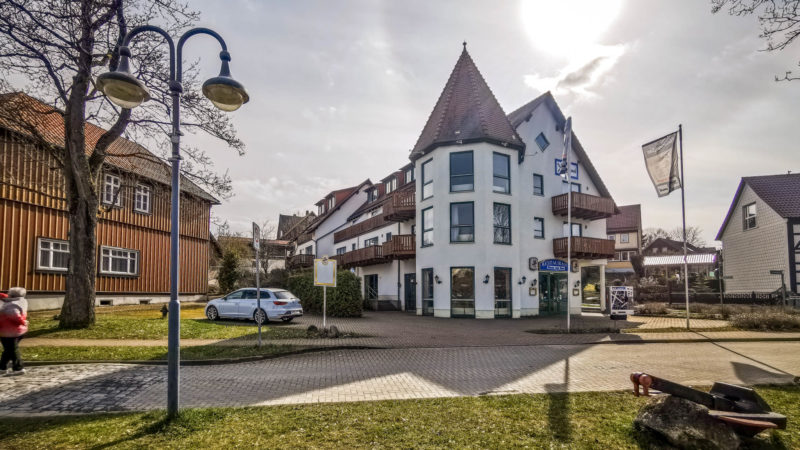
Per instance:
(760,233)
(625,229)
(133,229)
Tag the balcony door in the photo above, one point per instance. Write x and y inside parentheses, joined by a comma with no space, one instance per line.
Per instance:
(502,292)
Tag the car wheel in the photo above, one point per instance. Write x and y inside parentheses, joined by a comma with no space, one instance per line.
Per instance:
(287,319)
(260,317)
(212,313)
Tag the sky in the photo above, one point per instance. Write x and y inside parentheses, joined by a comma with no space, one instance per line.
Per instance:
(341,90)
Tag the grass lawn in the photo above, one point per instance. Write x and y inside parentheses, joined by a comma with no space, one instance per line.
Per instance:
(583,420)
(47,353)
(145,322)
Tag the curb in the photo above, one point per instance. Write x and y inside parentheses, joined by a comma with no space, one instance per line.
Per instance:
(199,362)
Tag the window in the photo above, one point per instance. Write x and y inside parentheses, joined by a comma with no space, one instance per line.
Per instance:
(370,242)
(538,228)
(372,195)
(118,261)
(409,175)
(542,141)
(427,180)
(502,173)
(331,203)
(462,222)
(111,195)
(427,292)
(538,185)
(577,229)
(462,291)
(141,201)
(427,227)
(502,223)
(749,215)
(388,237)
(53,255)
(308,250)
(390,185)
(611,237)
(341,250)
(576,187)
(461,172)
(624,238)
(353,247)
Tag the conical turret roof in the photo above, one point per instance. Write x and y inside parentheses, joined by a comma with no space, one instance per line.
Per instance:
(466,111)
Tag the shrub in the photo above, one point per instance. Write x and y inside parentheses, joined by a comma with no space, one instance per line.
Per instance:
(228,272)
(767,320)
(653,309)
(343,300)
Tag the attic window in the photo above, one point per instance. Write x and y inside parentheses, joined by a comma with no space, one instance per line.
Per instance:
(372,195)
(749,216)
(542,141)
(331,202)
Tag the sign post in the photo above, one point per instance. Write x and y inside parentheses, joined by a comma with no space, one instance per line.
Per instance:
(325,276)
(257,248)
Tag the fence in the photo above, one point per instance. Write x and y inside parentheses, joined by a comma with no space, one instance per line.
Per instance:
(753,298)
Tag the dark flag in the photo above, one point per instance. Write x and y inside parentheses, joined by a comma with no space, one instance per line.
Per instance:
(661,160)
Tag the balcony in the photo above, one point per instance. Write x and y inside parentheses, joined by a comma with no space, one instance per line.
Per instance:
(366,256)
(584,248)
(300,261)
(584,206)
(401,246)
(359,228)
(401,206)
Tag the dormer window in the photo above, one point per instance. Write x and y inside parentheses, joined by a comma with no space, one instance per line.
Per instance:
(409,175)
(391,185)
(372,195)
(331,203)
(320,209)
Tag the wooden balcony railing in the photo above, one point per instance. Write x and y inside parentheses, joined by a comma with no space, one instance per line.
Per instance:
(401,207)
(401,246)
(360,228)
(585,206)
(584,247)
(362,257)
(300,261)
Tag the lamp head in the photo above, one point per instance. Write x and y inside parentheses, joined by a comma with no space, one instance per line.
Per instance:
(120,86)
(224,92)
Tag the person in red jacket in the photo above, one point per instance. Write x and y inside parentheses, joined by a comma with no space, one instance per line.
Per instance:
(13,325)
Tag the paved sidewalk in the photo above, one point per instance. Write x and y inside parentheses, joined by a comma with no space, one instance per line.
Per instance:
(355,375)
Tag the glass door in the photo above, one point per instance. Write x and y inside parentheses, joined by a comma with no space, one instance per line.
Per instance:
(553,287)
(502,292)
(427,292)
(462,292)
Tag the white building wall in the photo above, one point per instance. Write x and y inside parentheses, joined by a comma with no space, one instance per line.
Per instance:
(483,254)
(749,255)
(323,235)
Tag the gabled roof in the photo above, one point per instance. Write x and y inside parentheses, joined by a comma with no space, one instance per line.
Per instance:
(467,111)
(676,246)
(628,219)
(342,196)
(524,113)
(779,192)
(122,153)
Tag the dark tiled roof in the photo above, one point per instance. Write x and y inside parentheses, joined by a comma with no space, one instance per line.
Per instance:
(342,195)
(466,111)
(780,192)
(674,246)
(122,153)
(523,113)
(286,222)
(629,218)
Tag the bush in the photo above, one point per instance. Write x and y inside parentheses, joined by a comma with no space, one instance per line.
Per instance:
(343,300)
(228,272)
(653,309)
(767,320)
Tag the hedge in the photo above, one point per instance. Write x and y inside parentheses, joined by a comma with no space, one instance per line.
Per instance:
(343,300)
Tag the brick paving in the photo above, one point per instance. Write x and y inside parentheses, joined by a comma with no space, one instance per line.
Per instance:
(355,375)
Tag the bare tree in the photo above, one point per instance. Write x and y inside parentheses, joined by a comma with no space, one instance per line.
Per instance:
(58,47)
(694,235)
(779,21)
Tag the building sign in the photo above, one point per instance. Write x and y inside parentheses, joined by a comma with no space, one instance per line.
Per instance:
(325,272)
(553,265)
(572,173)
(621,298)
(533,263)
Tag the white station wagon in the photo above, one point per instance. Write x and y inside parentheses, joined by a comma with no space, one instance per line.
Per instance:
(276,304)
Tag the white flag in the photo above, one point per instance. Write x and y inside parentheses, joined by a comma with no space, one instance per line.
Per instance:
(661,161)
(562,168)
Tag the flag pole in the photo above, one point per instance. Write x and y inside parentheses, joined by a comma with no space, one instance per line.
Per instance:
(569,227)
(683,212)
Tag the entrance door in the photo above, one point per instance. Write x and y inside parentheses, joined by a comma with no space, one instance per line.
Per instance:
(371,287)
(502,292)
(427,292)
(410,283)
(553,289)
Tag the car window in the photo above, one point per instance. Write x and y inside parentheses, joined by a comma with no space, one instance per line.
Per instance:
(249,294)
(235,295)
(265,294)
(284,294)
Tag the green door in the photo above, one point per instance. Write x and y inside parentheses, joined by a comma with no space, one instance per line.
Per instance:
(553,287)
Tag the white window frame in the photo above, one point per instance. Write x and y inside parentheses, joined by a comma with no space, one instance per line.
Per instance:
(107,252)
(409,175)
(51,250)
(111,182)
(624,238)
(747,217)
(331,203)
(142,199)
(611,237)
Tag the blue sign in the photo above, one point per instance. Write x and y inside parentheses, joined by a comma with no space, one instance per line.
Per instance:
(573,173)
(553,265)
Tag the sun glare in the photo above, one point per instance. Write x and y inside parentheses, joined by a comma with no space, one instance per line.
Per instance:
(559,26)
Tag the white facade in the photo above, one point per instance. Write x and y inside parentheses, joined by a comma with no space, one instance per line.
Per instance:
(483,254)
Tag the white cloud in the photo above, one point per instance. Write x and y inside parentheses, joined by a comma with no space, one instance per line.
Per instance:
(581,75)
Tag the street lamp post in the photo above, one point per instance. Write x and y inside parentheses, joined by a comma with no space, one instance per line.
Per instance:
(126,91)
